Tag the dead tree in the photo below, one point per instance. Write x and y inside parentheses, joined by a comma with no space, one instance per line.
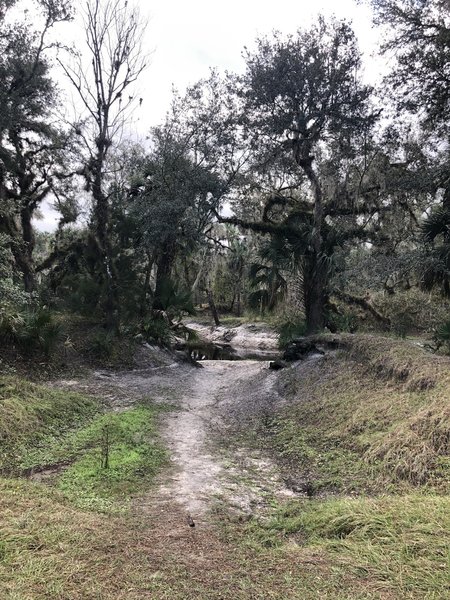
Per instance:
(103,77)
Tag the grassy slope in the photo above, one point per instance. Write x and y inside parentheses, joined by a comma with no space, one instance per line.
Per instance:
(42,427)
(375,413)
(34,418)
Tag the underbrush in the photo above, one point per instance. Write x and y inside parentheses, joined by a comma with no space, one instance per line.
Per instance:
(412,311)
(289,330)
(30,330)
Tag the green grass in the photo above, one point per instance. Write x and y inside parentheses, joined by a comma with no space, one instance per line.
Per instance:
(135,457)
(43,427)
(400,544)
(34,418)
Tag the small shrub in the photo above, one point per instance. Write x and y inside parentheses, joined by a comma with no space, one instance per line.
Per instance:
(157,330)
(442,336)
(102,344)
(30,330)
(83,295)
(345,321)
(175,300)
(290,330)
(41,331)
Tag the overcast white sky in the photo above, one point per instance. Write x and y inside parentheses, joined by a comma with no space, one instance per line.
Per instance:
(190,37)
(186,39)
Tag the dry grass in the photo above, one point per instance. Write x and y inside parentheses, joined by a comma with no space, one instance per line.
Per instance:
(386,401)
(399,543)
(49,550)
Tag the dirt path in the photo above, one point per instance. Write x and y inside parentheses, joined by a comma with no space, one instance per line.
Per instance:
(205,470)
(206,401)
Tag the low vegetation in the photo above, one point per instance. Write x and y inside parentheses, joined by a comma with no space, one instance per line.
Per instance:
(118,456)
(49,549)
(34,418)
(375,525)
(373,413)
(395,545)
(98,460)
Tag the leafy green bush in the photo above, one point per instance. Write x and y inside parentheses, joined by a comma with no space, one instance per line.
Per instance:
(11,290)
(82,294)
(175,300)
(345,321)
(157,330)
(101,344)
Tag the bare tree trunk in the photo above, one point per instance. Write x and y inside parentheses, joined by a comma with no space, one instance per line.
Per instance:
(199,274)
(212,307)
(238,303)
(314,294)
(102,234)
(146,286)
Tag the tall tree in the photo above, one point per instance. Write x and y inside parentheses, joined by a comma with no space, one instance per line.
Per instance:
(418,39)
(303,98)
(32,152)
(172,196)
(103,77)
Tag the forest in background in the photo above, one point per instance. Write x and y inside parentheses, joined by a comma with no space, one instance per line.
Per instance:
(292,192)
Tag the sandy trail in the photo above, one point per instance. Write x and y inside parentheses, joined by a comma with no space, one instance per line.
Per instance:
(206,403)
(196,437)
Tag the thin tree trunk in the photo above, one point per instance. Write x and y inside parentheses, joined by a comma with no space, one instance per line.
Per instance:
(146,286)
(213,308)
(102,225)
(238,303)
(232,302)
(163,271)
(199,274)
